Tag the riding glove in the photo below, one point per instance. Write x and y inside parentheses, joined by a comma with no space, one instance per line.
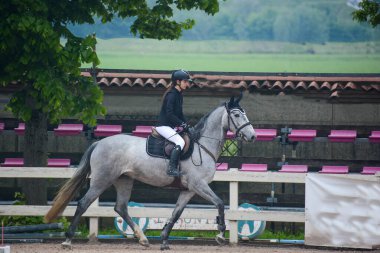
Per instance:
(185,126)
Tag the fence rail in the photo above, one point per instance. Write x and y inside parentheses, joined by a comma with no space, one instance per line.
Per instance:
(233,176)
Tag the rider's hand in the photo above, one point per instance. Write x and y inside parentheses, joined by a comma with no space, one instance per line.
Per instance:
(185,126)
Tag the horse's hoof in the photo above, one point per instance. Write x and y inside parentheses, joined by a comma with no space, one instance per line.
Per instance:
(220,240)
(164,247)
(66,245)
(144,242)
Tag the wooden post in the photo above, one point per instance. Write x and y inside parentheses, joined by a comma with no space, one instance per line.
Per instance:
(234,202)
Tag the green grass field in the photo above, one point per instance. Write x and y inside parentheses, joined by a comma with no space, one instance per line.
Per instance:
(238,56)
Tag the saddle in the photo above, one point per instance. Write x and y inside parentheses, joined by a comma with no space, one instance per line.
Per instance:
(158,146)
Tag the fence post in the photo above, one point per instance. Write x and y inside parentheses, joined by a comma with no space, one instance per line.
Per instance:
(234,202)
(94,224)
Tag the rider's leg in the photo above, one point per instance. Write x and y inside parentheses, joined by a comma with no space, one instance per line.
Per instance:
(173,169)
(171,135)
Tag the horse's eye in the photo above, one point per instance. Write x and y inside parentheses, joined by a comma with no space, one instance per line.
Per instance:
(237,115)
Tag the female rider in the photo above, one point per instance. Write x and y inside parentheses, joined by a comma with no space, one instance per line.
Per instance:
(171,116)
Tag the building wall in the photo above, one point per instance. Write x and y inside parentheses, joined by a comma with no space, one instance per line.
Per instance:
(276,110)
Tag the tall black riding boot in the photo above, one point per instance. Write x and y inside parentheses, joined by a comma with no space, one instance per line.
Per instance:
(173,169)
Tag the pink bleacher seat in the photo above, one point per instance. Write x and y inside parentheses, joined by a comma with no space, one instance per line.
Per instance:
(20,130)
(374,137)
(254,167)
(294,168)
(342,135)
(58,162)
(230,135)
(370,170)
(2,125)
(142,131)
(334,170)
(222,166)
(13,162)
(68,129)
(107,130)
(265,134)
(302,135)
(52,162)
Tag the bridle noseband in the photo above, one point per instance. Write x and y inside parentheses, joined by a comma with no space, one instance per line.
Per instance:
(230,119)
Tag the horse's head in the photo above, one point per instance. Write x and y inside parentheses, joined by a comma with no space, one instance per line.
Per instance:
(238,122)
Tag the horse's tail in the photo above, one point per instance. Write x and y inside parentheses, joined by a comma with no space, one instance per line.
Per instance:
(71,187)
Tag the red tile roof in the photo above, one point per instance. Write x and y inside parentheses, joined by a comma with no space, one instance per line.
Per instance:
(333,85)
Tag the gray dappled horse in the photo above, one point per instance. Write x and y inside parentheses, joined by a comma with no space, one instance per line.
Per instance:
(120,159)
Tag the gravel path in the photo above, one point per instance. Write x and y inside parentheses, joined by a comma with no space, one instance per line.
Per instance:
(131,247)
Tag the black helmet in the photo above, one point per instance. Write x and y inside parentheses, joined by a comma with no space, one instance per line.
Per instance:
(180,75)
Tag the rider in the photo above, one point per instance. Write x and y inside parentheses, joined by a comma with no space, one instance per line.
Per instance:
(171,116)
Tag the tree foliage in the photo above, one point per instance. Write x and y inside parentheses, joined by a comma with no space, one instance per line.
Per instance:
(369,12)
(39,51)
(261,20)
(327,21)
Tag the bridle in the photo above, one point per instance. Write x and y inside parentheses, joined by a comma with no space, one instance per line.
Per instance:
(230,119)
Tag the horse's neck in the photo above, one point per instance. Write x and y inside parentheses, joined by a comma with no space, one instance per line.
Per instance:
(214,134)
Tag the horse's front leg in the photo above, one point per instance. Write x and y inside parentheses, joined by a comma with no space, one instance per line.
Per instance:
(220,238)
(183,199)
(203,190)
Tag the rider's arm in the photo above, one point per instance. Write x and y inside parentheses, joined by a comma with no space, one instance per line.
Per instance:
(170,110)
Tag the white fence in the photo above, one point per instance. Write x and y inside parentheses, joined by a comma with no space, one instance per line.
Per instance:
(233,176)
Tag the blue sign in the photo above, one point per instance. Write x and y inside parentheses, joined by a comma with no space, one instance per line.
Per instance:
(249,229)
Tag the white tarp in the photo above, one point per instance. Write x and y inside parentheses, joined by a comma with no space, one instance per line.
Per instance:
(341,211)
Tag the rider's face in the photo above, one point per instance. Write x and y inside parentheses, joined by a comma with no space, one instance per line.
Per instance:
(184,84)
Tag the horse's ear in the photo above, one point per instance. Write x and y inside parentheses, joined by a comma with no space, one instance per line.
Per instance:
(231,103)
(239,98)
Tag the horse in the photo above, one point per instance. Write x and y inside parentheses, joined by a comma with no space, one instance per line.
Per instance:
(120,159)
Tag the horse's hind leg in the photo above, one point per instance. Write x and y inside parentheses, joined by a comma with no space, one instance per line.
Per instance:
(123,187)
(183,199)
(91,195)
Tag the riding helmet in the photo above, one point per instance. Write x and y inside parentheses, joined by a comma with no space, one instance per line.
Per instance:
(181,75)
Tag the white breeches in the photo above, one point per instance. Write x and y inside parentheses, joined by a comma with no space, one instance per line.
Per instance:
(171,135)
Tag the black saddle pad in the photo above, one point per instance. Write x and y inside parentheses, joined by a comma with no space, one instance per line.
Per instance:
(156,147)
(161,148)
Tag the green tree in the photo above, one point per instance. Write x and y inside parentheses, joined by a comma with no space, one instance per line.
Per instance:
(260,25)
(301,24)
(41,54)
(369,12)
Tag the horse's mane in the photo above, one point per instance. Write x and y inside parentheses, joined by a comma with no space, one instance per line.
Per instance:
(199,127)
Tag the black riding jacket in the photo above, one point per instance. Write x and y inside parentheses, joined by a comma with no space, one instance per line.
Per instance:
(171,110)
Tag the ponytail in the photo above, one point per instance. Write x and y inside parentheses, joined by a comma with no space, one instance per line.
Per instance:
(166,92)
(172,84)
